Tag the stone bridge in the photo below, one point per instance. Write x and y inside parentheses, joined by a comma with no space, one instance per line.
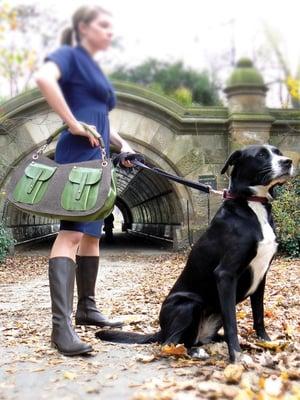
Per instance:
(191,142)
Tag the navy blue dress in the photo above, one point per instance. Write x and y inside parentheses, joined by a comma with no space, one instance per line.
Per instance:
(90,97)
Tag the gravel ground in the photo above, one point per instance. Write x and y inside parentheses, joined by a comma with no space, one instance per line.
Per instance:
(132,283)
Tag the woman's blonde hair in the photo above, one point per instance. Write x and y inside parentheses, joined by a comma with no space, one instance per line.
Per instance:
(85,14)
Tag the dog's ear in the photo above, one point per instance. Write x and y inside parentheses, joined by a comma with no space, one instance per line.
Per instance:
(232,160)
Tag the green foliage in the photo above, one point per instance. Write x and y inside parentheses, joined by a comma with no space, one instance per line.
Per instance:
(6,241)
(169,78)
(183,96)
(156,87)
(3,99)
(286,211)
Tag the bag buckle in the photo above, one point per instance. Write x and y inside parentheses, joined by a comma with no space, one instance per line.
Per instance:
(41,150)
(104,157)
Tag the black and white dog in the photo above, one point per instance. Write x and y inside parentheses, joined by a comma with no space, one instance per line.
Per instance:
(228,263)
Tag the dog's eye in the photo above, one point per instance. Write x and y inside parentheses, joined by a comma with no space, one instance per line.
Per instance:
(262,154)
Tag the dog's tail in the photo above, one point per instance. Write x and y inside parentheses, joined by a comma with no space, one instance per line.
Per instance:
(128,337)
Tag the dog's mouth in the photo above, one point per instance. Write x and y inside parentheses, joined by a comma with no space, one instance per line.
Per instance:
(280,179)
(283,176)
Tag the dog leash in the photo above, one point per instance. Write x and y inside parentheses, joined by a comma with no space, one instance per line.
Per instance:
(138,160)
(195,185)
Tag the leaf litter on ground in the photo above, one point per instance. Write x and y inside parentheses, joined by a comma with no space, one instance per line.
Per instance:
(135,293)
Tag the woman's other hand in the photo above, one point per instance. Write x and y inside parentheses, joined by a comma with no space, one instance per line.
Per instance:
(126,148)
(80,130)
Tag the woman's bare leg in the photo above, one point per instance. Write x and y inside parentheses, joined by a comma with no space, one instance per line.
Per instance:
(66,244)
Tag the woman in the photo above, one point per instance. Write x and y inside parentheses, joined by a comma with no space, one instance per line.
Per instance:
(77,90)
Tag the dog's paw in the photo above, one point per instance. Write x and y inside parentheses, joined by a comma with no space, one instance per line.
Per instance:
(263,336)
(244,359)
(199,353)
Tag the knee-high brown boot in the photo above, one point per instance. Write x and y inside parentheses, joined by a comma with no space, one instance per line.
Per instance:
(86,276)
(61,282)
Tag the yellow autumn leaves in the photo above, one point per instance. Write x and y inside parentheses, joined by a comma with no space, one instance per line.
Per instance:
(8,16)
(18,59)
(293,87)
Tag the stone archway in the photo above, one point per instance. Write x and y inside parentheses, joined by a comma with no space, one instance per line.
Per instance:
(150,204)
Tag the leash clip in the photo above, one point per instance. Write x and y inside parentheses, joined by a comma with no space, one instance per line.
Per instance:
(214,191)
(41,150)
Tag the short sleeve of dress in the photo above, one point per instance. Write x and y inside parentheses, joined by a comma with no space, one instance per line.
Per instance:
(63,57)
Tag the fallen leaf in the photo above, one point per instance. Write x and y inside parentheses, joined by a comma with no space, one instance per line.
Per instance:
(233,373)
(174,350)
(69,375)
(273,386)
(269,314)
(145,359)
(37,370)
(241,314)
(276,345)
(92,390)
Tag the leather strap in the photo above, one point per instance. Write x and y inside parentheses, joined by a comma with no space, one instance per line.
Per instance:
(186,182)
(229,196)
(89,129)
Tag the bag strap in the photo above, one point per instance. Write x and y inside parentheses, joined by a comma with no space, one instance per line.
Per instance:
(64,127)
(86,127)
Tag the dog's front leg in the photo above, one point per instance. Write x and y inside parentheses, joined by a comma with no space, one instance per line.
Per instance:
(257,304)
(226,284)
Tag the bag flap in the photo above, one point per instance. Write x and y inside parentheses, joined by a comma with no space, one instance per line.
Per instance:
(37,171)
(89,176)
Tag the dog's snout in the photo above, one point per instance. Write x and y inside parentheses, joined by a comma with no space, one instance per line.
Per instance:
(287,163)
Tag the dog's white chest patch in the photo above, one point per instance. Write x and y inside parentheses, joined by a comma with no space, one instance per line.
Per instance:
(266,247)
(207,328)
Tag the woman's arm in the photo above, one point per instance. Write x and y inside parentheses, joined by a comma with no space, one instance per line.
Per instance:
(119,142)
(46,79)
(122,146)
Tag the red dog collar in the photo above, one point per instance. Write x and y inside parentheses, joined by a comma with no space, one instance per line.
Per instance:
(229,196)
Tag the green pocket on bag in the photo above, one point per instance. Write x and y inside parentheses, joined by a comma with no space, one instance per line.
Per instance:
(81,191)
(34,183)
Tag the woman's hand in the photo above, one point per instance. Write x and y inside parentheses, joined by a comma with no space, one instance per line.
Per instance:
(124,149)
(80,130)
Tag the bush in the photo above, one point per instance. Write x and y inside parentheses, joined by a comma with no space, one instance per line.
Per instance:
(286,211)
(6,241)
(183,95)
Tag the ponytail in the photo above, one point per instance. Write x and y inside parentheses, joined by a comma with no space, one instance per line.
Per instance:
(67,36)
(84,14)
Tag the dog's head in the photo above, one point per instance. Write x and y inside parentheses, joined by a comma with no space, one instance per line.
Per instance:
(257,169)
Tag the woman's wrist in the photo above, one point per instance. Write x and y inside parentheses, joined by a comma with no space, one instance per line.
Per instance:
(125,147)
(73,124)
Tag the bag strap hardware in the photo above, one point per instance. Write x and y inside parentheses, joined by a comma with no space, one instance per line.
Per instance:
(41,150)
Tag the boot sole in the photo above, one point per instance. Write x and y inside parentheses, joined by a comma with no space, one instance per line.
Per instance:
(76,353)
(99,324)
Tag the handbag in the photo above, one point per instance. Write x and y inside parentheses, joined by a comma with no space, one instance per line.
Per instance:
(82,191)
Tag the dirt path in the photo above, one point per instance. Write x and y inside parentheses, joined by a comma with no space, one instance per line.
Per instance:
(132,285)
